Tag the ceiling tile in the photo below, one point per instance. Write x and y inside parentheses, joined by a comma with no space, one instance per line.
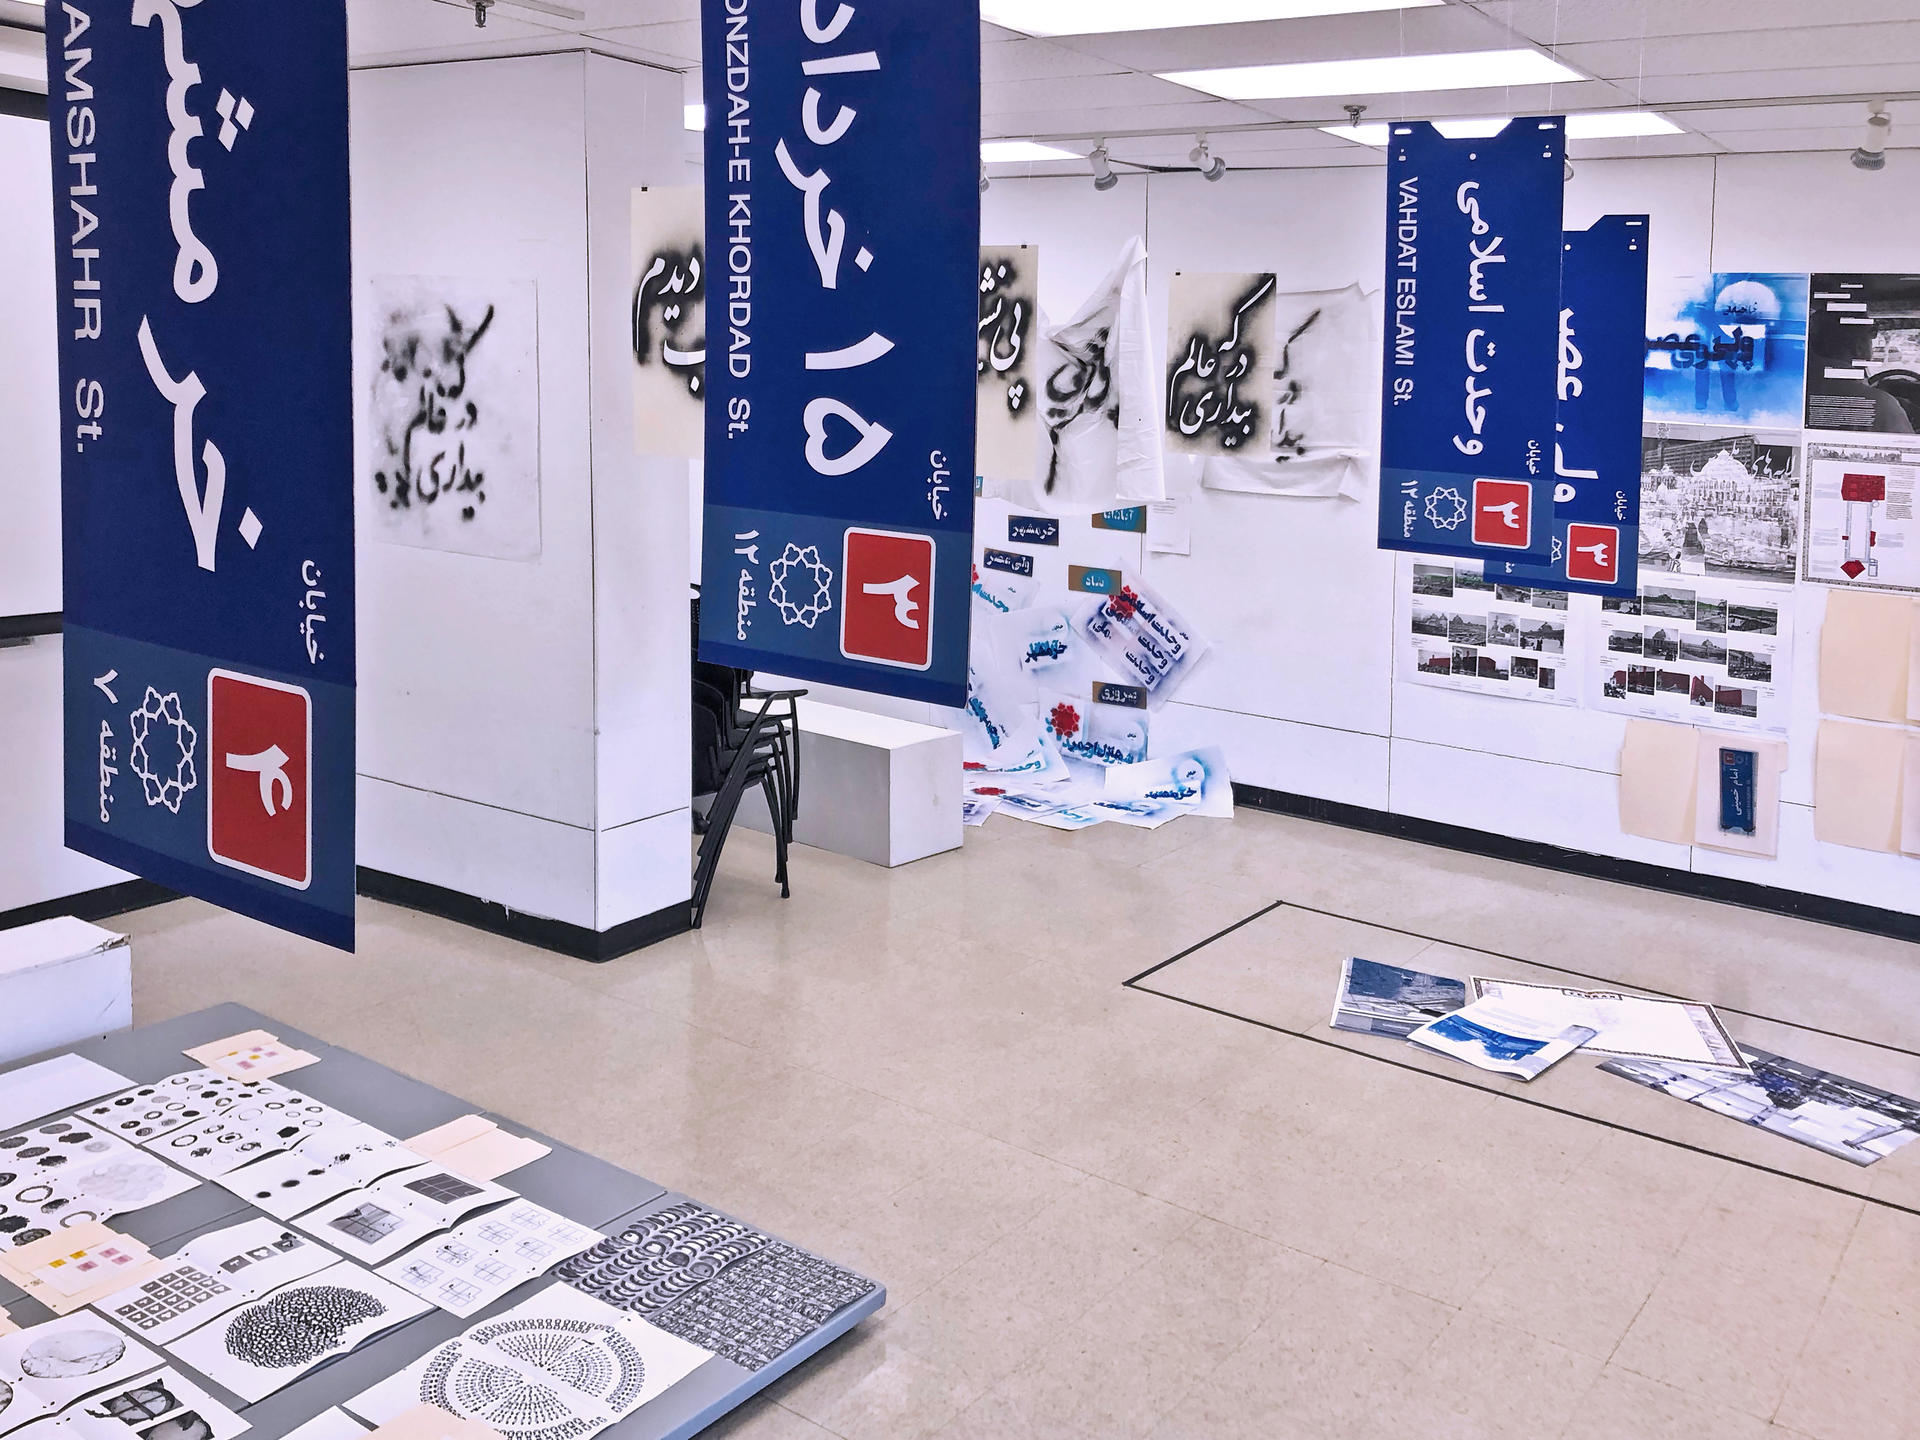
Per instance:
(1072,91)
(1569,22)
(1804,48)
(1768,84)
(677,40)
(1434,30)
(1517,100)
(1002,62)
(1022,124)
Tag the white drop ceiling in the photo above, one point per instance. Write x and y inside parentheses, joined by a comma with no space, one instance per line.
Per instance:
(1738,76)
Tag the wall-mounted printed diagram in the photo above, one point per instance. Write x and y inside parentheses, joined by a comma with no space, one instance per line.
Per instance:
(1859,526)
(1697,652)
(1727,349)
(453,421)
(1464,632)
(1719,503)
(1863,354)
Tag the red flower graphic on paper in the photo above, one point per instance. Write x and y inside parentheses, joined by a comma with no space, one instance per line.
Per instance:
(1124,604)
(989,790)
(1065,720)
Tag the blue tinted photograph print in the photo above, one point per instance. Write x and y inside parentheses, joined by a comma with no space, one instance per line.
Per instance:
(1728,347)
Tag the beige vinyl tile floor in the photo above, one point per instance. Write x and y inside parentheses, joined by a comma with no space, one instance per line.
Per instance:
(1102,1212)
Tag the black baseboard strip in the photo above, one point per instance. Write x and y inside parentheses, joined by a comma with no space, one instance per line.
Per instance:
(558,936)
(1847,914)
(101,904)
(30,627)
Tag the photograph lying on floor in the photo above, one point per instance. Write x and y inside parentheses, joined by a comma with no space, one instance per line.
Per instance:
(1859,527)
(1863,354)
(1727,349)
(669,316)
(1464,632)
(1842,1117)
(1629,1026)
(1378,999)
(1719,503)
(1007,429)
(453,421)
(1699,652)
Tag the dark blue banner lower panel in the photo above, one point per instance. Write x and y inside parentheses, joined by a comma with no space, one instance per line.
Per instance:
(843,212)
(200,178)
(1472,304)
(1596,443)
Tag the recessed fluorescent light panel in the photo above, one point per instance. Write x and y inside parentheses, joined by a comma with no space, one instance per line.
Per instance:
(1013,152)
(1107,17)
(1605,126)
(1379,75)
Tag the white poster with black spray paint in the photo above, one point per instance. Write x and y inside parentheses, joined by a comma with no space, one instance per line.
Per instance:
(1315,399)
(453,424)
(1008,427)
(669,315)
(1099,438)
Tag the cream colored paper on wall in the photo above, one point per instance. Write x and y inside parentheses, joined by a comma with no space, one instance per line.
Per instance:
(669,321)
(1865,644)
(1769,763)
(1910,808)
(1913,666)
(1658,765)
(1858,785)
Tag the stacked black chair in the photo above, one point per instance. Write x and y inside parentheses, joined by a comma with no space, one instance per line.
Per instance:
(742,737)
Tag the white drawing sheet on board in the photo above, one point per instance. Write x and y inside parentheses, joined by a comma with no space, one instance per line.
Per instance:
(452,433)
(1859,527)
(669,321)
(56,1084)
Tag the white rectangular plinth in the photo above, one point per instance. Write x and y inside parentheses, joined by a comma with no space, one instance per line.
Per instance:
(881,790)
(61,981)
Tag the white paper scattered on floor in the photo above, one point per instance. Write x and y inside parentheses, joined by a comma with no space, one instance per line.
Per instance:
(1639,1027)
(1196,782)
(61,1083)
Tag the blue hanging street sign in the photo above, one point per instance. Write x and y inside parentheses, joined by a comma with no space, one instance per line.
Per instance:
(200,183)
(1473,299)
(843,219)
(1596,443)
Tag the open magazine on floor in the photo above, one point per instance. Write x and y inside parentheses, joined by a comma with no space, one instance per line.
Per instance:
(1493,1037)
(1377,999)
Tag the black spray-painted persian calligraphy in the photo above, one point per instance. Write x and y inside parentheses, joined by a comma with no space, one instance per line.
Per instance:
(425,353)
(1082,384)
(671,292)
(1291,385)
(1213,399)
(1006,327)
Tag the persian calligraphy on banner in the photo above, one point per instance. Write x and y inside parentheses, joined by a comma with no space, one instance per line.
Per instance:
(669,321)
(843,222)
(200,165)
(1596,441)
(1473,300)
(1007,362)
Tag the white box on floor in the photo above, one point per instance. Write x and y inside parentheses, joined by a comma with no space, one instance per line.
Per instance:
(882,790)
(62,981)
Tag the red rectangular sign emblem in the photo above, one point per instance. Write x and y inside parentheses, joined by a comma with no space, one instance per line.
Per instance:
(1502,513)
(260,791)
(1593,553)
(886,612)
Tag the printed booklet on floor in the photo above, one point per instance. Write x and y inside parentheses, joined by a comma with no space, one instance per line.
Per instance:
(1489,1035)
(1378,999)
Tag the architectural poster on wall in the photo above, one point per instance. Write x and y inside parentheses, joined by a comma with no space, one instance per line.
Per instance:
(1863,354)
(1471,340)
(1698,651)
(1467,632)
(205,327)
(1728,349)
(669,320)
(1859,528)
(842,152)
(1722,503)
(453,420)
(1596,449)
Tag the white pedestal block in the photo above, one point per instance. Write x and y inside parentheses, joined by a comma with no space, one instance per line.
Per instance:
(881,790)
(61,981)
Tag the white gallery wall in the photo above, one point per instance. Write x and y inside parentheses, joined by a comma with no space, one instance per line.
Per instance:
(1300,605)
(514,712)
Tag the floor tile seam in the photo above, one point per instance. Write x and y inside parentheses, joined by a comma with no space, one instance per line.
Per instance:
(1702,1396)
(1609,981)
(807,1420)
(1506,1095)
(1792,1367)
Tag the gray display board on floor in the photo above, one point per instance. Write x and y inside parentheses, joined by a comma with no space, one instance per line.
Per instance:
(568,1181)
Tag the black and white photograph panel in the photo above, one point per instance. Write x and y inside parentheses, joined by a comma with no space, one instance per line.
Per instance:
(669,317)
(452,432)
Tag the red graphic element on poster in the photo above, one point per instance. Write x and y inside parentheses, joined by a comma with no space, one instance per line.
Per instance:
(1065,720)
(1593,553)
(887,610)
(1502,513)
(260,797)
(1858,536)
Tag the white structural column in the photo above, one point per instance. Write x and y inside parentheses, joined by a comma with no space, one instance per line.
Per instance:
(523,723)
